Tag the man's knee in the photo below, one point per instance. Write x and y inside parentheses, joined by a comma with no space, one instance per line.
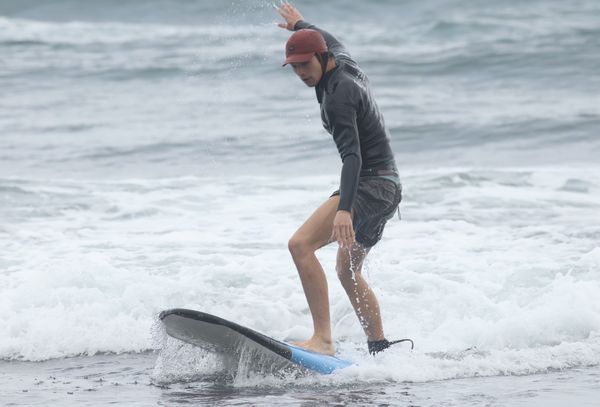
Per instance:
(299,246)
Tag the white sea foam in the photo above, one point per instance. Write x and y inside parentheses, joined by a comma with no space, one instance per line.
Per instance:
(505,261)
(499,256)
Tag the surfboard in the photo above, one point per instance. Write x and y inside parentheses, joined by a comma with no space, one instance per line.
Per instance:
(222,336)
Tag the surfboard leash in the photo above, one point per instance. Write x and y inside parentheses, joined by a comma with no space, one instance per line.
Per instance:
(379,346)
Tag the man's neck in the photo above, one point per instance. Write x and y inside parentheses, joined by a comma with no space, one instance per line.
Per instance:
(330,65)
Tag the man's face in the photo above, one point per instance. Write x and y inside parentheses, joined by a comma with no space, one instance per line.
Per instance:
(309,72)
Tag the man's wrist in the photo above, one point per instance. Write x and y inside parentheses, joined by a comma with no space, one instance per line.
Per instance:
(296,24)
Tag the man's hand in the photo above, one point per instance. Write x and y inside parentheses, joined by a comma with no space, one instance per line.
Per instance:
(343,231)
(290,14)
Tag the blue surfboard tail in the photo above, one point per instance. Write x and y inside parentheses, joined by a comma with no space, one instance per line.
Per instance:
(318,362)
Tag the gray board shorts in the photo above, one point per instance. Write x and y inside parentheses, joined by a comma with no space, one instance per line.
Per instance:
(376,202)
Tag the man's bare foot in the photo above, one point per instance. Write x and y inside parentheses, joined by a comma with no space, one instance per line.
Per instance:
(317,345)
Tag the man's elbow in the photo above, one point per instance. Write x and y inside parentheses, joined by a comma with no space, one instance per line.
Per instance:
(352,158)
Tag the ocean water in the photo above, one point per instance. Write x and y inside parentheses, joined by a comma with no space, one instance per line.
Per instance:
(155,154)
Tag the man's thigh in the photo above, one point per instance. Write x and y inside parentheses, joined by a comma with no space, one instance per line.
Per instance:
(316,230)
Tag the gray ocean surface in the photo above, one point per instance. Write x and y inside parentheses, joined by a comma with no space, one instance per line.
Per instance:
(118,87)
(154,154)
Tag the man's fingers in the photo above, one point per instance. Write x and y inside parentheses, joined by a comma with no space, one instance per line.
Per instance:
(347,236)
(343,236)
(337,235)
(287,15)
(343,232)
(281,9)
(350,235)
(290,10)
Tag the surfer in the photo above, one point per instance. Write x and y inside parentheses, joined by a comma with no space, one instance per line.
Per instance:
(370,189)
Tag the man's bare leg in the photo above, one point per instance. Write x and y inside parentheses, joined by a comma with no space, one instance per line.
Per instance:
(311,236)
(349,267)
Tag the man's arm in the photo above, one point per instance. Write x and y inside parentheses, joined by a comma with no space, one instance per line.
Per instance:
(345,135)
(294,22)
(342,118)
(341,110)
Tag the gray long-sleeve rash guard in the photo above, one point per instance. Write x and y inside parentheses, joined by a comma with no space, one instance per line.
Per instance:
(350,114)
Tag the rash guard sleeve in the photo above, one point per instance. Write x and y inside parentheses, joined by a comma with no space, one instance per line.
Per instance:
(344,129)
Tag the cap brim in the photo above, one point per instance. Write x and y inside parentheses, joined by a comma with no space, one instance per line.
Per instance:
(297,58)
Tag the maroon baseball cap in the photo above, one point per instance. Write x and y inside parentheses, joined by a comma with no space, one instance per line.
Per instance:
(302,45)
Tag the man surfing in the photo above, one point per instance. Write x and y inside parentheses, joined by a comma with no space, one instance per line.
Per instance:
(370,189)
